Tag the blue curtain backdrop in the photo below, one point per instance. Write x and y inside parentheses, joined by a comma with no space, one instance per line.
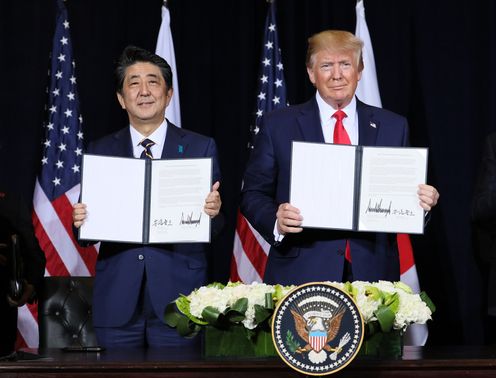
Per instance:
(435,64)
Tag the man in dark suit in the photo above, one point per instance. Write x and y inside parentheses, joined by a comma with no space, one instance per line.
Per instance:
(134,283)
(15,219)
(297,255)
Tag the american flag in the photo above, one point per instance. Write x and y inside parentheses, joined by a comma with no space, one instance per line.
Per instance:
(250,250)
(57,186)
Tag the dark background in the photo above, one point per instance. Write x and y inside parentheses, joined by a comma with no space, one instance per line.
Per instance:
(435,63)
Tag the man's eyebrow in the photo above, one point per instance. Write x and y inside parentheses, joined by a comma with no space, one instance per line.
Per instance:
(138,76)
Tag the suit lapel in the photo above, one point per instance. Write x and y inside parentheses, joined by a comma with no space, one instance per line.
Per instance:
(123,145)
(175,146)
(309,122)
(368,126)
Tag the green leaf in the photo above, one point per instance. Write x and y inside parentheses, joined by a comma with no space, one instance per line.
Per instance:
(232,316)
(428,301)
(261,314)
(236,313)
(241,305)
(291,343)
(171,316)
(372,328)
(269,303)
(183,305)
(278,292)
(385,317)
(218,285)
(392,301)
(350,289)
(186,328)
(374,293)
(211,315)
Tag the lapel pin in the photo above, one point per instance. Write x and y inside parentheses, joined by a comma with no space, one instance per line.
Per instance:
(372,124)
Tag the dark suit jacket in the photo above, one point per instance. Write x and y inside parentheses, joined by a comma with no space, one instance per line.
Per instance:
(315,255)
(171,269)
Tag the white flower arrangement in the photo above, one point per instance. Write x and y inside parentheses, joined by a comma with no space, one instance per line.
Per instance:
(408,307)
(222,298)
(384,305)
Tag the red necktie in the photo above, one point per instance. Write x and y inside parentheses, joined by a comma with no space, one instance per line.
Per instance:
(340,134)
(341,137)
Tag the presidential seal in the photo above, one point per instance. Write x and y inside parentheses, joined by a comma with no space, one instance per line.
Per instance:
(317,329)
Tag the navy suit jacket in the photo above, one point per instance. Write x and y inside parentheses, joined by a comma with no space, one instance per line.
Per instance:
(171,269)
(315,255)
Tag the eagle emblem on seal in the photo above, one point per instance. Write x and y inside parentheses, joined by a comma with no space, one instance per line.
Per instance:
(318,327)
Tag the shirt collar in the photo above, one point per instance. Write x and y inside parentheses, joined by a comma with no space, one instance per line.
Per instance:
(158,137)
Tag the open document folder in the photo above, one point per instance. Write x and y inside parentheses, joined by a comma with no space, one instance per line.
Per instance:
(358,188)
(145,201)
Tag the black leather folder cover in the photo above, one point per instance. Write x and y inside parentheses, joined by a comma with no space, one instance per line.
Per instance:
(16,280)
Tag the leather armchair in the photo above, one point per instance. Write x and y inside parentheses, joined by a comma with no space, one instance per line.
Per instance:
(64,312)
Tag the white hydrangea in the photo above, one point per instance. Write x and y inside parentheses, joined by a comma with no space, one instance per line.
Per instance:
(255,293)
(411,308)
(207,296)
(366,304)
(226,297)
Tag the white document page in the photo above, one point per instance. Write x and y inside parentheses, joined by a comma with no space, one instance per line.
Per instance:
(178,192)
(322,181)
(390,179)
(113,191)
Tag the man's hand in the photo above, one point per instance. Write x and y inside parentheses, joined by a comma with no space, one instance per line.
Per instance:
(213,201)
(78,214)
(288,219)
(428,196)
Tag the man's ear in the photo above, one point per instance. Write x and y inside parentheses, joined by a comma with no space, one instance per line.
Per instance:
(121,100)
(169,94)
(311,75)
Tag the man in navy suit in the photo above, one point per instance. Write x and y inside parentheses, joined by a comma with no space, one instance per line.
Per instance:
(297,255)
(134,283)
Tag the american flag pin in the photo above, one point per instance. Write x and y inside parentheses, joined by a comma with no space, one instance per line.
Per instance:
(372,124)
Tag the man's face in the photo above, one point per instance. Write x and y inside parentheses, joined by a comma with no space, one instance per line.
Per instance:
(335,75)
(144,94)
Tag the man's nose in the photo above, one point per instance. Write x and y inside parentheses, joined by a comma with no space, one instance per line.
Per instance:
(144,90)
(336,72)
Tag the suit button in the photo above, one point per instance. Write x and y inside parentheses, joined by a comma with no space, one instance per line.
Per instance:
(141,257)
(340,252)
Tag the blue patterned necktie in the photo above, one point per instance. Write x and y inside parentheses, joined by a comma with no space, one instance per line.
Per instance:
(147,152)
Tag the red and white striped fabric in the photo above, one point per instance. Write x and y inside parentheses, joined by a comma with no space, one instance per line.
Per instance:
(57,186)
(250,253)
(250,250)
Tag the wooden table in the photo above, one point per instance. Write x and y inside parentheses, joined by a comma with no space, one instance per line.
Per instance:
(415,363)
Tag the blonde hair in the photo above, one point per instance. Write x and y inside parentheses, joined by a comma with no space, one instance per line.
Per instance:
(334,41)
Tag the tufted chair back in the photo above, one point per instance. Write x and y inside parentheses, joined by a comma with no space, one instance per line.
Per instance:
(64,312)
